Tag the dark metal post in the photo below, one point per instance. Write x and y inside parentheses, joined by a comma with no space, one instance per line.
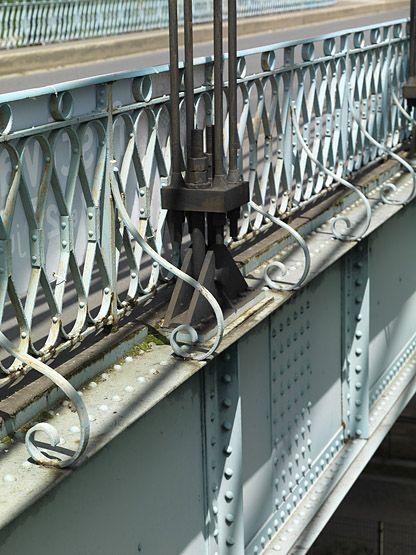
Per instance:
(206,196)
(409,89)
(412,57)
(232,90)
(218,84)
(189,73)
(175,145)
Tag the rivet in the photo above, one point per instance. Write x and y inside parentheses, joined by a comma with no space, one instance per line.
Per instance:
(23,335)
(64,244)
(81,305)
(228,450)
(54,319)
(34,258)
(227,426)
(227,403)
(228,472)
(106,290)
(358,352)
(226,378)
(230,541)
(91,234)
(358,369)
(229,519)
(229,495)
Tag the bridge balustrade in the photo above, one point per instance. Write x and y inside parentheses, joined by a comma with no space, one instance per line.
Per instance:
(31,22)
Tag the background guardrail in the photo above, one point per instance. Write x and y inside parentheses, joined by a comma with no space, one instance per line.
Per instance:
(31,22)
(67,264)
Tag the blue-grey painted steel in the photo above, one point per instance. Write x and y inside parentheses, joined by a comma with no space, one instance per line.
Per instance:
(356,342)
(392,331)
(68,265)
(243,449)
(31,22)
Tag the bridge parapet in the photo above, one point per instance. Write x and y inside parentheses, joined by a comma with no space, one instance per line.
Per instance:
(28,23)
(313,117)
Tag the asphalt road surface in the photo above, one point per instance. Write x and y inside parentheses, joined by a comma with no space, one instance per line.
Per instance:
(132,62)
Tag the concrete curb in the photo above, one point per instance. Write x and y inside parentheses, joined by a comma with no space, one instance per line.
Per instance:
(77,52)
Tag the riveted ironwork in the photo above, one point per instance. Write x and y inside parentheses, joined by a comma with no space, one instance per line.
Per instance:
(222,410)
(356,334)
(58,151)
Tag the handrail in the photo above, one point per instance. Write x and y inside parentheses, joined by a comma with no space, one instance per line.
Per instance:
(61,236)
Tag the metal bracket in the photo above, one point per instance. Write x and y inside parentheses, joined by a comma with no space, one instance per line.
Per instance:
(93,224)
(101,97)
(66,234)
(37,248)
(144,196)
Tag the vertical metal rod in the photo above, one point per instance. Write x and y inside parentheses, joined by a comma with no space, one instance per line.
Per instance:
(175,145)
(232,89)
(218,85)
(189,74)
(412,54)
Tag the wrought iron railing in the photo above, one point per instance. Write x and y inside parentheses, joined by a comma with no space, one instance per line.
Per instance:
(66,258)
(30,22)
(309,114)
